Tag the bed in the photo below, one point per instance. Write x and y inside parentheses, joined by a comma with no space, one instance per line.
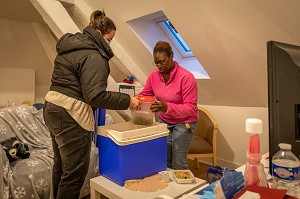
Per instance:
(31,177)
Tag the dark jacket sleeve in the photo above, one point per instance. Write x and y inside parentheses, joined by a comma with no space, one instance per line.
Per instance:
(94,71)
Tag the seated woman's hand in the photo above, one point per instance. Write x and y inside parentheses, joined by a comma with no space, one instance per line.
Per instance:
(159,106)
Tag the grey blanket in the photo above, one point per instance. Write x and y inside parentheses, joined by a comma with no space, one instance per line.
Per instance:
(31,177)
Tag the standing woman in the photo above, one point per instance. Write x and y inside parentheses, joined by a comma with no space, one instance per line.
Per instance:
(175,89)
(79,83)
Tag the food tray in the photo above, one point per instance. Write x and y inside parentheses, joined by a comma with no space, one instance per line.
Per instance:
(183,176)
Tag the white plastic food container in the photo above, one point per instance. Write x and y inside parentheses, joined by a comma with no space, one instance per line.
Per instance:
(183,176)
(143,116)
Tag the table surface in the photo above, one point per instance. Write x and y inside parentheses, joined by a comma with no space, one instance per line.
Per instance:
(115,191)
(264,161)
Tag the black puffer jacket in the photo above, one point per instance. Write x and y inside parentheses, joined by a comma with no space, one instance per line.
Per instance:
(81,70)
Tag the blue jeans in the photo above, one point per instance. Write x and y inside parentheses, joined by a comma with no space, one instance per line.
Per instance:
(179,140)
(71,146)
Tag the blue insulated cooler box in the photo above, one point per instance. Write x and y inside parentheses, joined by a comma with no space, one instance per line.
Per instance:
(128,151)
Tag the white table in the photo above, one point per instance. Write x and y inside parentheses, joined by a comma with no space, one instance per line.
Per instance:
(264,161)
(103,186)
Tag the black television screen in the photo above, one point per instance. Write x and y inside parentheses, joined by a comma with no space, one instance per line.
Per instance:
(283,96)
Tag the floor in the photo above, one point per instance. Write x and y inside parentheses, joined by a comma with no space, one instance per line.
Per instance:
(199,173)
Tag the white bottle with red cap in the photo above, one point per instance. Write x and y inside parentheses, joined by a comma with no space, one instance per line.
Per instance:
(286,170)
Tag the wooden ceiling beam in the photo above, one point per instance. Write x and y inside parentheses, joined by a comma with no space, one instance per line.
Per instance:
(55,16)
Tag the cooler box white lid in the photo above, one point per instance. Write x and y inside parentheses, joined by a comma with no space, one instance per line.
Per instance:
(127,132)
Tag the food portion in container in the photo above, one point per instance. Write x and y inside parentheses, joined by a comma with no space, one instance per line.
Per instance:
(143,116)
(143,121)
(183,176)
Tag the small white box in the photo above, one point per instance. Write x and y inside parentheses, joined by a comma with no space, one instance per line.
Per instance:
(183,176)
(165,176)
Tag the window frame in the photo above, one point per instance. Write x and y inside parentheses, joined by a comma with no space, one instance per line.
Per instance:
(178,43)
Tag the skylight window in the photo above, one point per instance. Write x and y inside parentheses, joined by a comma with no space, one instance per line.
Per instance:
(171,32)
(157,27)
(177,35)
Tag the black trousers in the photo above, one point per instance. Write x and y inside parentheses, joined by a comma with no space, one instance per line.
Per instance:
(71,146)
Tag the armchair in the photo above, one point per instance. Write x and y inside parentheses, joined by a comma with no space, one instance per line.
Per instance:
(203,143)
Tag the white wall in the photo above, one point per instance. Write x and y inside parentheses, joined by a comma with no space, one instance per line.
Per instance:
(32,49)
(16,85)
(232,140)
(227,37)
(40,93)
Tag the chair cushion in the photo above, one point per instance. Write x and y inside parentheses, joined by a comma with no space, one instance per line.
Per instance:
(199,146)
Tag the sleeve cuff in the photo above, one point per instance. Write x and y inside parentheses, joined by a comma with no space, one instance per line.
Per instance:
(167,111)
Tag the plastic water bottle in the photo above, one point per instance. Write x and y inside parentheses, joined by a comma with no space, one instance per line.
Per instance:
(286,170)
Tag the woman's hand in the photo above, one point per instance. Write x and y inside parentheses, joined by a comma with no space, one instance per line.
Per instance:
(159,106)
(134,103)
